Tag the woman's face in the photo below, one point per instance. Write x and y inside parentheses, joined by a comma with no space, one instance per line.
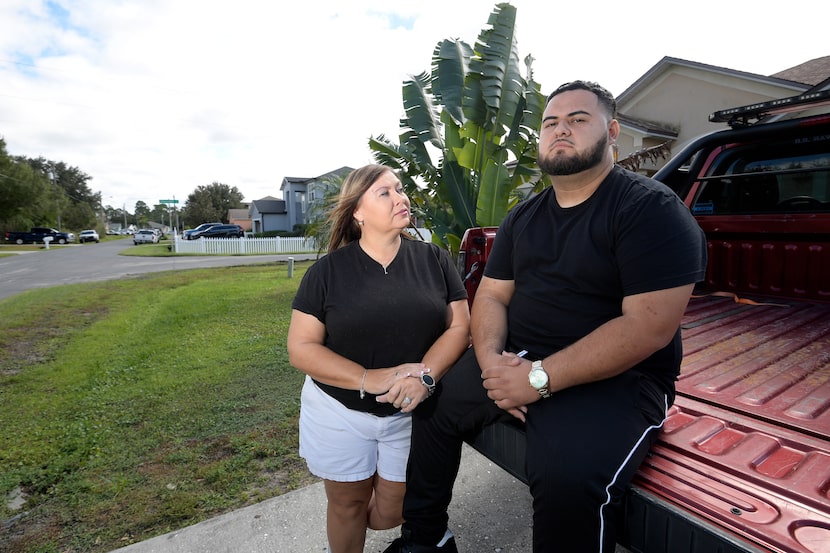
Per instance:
(384,206)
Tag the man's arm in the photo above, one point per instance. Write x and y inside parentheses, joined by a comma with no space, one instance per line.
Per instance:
(488,328)
(647,324)
(488,324)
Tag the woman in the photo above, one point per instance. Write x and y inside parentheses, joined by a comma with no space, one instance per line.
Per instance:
(374,325)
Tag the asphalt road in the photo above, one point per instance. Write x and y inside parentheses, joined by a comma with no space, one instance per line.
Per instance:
(95,262)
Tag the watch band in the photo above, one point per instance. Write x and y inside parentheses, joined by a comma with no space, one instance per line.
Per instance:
(544,389)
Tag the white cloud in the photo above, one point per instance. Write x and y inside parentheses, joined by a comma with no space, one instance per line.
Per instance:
(153,98)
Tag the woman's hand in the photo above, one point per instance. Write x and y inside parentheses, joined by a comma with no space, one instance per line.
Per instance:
(407,391)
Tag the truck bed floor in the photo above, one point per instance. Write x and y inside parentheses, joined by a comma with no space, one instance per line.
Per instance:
(745,445)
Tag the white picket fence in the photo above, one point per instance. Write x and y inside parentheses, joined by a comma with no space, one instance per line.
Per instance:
(243,246)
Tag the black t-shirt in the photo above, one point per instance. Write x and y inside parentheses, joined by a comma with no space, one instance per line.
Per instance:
(572,267)
(376,319)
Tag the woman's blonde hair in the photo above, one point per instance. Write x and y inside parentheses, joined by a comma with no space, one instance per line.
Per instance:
(344,227)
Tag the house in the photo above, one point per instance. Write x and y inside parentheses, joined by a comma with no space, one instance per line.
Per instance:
(672,101)
(299,193)
(240,217)
(268,214)
(271,214)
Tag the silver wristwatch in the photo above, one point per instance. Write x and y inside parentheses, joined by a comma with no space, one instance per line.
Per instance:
(539,379)
(429,383)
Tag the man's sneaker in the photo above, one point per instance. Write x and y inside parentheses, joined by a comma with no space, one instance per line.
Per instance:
(404,544)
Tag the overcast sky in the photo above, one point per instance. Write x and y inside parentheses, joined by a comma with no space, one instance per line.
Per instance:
(153,98)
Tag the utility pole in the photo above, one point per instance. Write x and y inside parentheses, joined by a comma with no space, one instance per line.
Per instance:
(52,177)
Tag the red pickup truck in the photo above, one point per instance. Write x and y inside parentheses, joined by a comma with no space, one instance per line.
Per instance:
(743,462)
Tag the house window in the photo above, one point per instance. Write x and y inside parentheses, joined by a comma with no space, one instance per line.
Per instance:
(299,202)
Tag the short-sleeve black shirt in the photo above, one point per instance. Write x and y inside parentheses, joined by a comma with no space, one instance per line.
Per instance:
(572,267)
(375,319)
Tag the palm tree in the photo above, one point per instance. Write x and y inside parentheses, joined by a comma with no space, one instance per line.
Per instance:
(480,116)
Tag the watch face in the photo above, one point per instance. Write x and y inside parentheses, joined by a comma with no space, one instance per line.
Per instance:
(428,380)
(538,378)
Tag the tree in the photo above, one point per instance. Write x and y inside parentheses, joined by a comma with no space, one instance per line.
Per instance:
(79,215)
(142,213)
(163,214)
(482,117)
(49,193)
(211,203)
(23,191)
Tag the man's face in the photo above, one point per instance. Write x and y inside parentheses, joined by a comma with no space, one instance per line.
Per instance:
(574,135)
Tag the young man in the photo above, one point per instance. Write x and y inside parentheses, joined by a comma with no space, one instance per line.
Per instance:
(591,278)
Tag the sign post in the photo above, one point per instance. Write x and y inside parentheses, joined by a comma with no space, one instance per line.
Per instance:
(170,205)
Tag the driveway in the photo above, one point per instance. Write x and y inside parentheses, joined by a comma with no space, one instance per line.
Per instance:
(95,262)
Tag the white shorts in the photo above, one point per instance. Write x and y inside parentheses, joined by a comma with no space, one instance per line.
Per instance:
(344,445)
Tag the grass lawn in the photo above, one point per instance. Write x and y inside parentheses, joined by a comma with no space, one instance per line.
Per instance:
(134,407)
(162,249)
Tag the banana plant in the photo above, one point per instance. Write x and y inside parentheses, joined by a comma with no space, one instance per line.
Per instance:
(479,118)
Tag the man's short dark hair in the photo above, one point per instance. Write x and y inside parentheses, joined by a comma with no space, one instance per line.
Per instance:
(606,99)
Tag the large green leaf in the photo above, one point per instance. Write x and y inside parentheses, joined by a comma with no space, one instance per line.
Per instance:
(496,60)
(493,198)
(503,84)
(456,187)
(408,165)
(450,62)
(420,113)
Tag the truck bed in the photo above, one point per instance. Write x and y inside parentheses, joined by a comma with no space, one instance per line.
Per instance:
(744,450)
(745,444)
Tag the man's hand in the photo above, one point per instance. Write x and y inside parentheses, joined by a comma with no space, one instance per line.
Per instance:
(505,379)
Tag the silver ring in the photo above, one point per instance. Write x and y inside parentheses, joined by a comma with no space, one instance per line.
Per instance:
(406,401)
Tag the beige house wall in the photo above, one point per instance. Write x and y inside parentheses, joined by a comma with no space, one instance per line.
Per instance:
(680,98)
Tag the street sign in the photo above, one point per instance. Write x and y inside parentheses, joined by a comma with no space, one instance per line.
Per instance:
(168,201)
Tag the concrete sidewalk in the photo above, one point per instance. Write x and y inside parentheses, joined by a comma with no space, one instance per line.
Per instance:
(490,512)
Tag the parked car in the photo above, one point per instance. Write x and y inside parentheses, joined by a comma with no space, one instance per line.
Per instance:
(188,234)
(145,236)
(89,235)
(219,231)
(37,234)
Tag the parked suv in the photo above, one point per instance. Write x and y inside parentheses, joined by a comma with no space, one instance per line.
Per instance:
(219,231)
(188,234)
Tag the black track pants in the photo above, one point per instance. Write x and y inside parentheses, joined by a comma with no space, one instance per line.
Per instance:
(584,445)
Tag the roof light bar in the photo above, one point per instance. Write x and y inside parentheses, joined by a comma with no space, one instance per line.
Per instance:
(740,116)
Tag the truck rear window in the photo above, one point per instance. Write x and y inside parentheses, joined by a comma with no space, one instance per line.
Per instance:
(774,178)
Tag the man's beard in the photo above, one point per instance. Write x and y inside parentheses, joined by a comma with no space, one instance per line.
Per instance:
(570,165)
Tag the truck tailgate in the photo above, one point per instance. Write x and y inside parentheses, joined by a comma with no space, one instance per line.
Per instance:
(746,444)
